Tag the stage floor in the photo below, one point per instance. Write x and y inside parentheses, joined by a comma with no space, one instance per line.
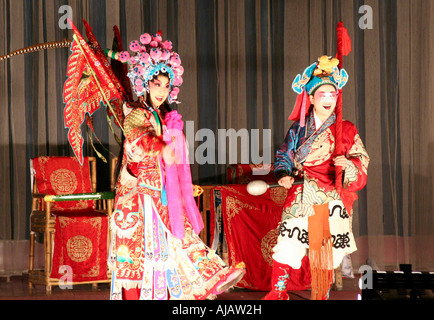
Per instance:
(17,288)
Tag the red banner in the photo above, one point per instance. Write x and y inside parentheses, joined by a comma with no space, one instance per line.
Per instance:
(251,228)
(89,82)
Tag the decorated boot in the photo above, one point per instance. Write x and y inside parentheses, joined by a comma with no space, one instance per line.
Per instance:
(279,281)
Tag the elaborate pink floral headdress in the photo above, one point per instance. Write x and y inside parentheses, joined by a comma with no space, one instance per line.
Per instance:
(152,56)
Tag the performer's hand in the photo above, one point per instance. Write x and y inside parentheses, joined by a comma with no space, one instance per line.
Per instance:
(169,155)
(340,161)
(286,182)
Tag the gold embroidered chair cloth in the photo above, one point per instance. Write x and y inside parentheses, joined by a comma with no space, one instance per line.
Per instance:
(73,218)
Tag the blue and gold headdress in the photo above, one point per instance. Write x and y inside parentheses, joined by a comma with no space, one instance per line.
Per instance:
(325,71)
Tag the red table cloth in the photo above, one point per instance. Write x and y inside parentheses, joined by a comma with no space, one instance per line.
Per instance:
(251,226)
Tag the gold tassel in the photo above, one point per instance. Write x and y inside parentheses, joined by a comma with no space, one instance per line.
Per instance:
(118,140)
(94,149)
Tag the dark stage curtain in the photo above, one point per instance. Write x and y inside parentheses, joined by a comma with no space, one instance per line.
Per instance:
(240,58)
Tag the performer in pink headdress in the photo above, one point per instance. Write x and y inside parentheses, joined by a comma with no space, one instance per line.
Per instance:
(156,252)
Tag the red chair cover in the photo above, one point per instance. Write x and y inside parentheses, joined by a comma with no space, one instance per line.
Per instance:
(80,238)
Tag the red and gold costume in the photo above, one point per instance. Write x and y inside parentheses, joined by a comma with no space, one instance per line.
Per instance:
(317,215)
(309,152)
(144,253)
(155,250)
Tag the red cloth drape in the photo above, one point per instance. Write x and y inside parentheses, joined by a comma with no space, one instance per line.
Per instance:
(244,173)
(251,229)
(80,243)
(63,175)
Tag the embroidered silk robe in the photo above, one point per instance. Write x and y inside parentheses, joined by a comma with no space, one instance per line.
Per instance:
(308,153)
(144,253)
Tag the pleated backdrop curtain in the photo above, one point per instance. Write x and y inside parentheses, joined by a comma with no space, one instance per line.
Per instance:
(240,57)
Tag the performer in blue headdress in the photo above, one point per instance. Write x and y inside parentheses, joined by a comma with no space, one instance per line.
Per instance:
(317,214)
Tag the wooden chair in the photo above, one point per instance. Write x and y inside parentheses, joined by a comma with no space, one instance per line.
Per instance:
(45,209)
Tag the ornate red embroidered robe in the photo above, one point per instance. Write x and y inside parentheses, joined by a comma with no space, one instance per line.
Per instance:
(144,252)
(309,152)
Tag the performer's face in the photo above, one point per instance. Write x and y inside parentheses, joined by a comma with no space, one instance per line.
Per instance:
(324,101)
(159,90)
